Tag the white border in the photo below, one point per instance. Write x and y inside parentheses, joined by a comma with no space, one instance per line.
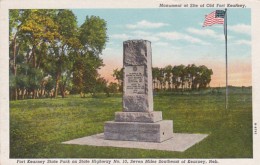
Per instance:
(5,5)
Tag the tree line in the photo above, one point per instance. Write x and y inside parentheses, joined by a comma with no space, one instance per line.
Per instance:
(49,54)
(173,78)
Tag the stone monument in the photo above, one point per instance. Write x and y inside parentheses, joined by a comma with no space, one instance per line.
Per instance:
(138,121)
(138,126)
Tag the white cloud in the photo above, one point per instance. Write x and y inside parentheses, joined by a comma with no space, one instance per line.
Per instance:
(136,35)
(146,25)
(180,36)
(142,33)
(120,36)
(240,28)
(242,42)
(206,33)
(161,44)
(159,38)
(145,35)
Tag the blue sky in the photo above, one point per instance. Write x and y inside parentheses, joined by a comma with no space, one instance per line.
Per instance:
(178,37)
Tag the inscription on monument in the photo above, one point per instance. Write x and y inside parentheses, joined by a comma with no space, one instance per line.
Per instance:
(134,76)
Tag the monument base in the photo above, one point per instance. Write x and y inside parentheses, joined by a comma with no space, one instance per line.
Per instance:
(136,131)
(180,142)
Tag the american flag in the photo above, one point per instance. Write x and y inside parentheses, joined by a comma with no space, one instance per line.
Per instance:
(215,17)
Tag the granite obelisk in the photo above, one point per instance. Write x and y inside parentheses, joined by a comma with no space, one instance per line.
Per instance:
(138,121)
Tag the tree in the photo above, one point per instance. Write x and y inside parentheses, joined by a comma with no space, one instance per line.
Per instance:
(177,75)
(191,71)
(13,30)
(100,86)
(161,78)
(22,79)
(49,86)
(92,37)
(118,75)
(45,46)
(39,30)
(204,77)
(156,76)
(113,87)
(85,73)
(168,75)
(63,49)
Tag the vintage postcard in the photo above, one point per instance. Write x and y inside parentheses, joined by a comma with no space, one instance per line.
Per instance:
(129,82)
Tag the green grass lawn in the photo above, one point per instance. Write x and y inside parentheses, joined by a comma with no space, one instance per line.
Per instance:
(37,127)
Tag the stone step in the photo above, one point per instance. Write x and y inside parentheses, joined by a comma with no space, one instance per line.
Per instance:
(136,131)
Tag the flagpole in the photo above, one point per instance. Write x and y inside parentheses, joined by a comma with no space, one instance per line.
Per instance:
(225,28)
(217,17)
